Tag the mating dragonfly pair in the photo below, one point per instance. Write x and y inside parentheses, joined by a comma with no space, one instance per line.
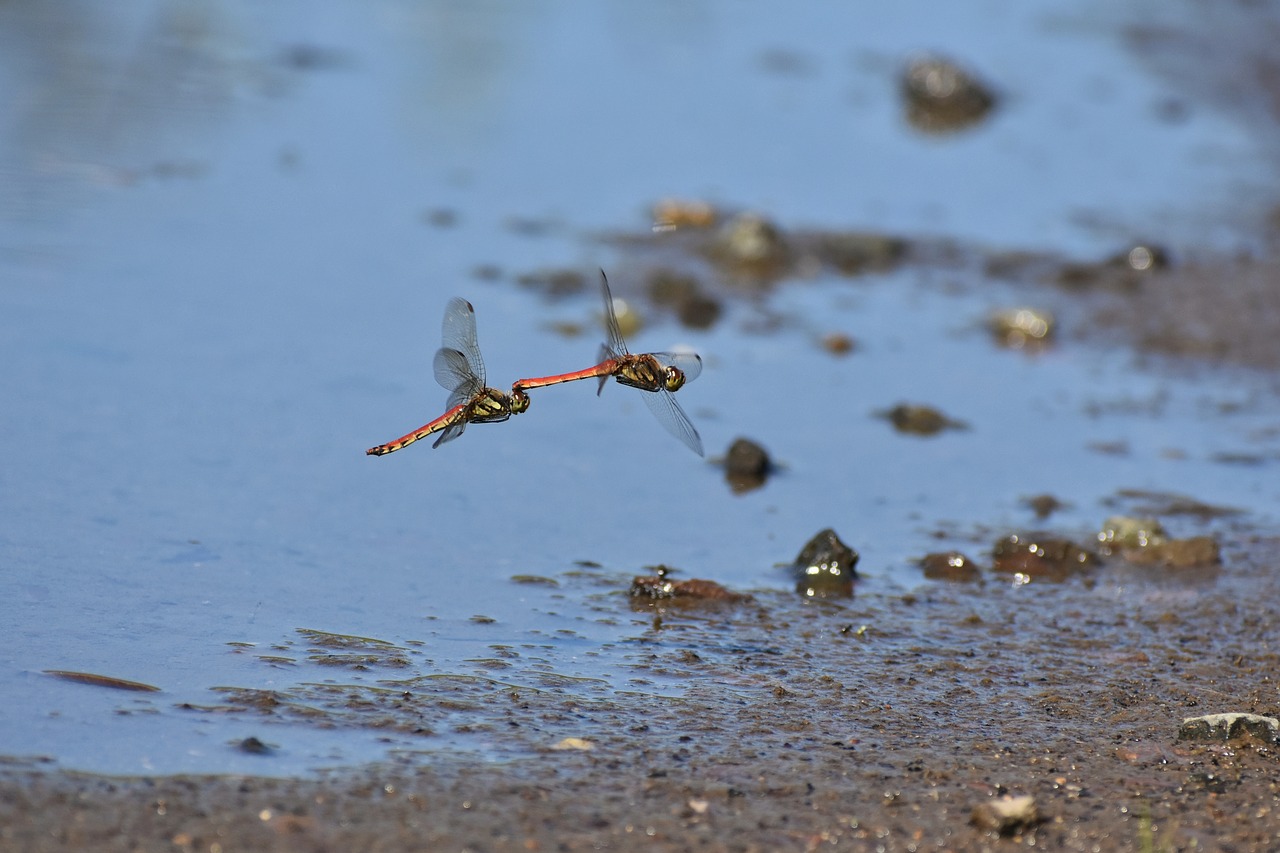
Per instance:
(460,369)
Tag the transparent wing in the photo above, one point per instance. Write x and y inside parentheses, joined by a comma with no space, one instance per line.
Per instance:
(459,333)
(455,373)
(673,419)
(450,433)
(690,363)
(615,342)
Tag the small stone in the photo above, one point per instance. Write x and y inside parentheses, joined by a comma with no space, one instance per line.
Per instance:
(837,343)
(660,587)
(746,466)
(1006,815)
(1230,726)
(1187,553)
(1040,555)
(1022,328)
(1121,532)
(254,746)
(574,743)
(825,567)
(942,97)
(948,566)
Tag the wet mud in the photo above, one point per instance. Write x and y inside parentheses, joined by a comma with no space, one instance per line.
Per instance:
(879,722)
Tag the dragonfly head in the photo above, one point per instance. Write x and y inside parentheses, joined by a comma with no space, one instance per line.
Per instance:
(519,401)
(674,380)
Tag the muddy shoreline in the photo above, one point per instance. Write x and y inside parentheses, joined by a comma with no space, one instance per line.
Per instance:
(880,722)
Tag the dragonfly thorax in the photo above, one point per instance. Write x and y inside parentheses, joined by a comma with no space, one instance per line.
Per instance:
(492,406)
(646,373)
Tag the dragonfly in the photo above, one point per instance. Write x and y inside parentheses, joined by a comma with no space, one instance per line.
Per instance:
(660,374)
(460,369)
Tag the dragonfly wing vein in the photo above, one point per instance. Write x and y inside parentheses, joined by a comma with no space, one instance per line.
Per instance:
(673,419)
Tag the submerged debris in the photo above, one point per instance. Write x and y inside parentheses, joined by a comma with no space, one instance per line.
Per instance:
(949,566)
(825,567)
(1043,505)
(752,245)
(1122,272)
(101,680)
(1040,555)
(856,252)
(1171,503)
(353,651)
(746,466)
(913,419)
(682,292)
(941,97)
(554,283)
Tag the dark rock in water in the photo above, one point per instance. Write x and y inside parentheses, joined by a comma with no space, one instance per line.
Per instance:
(949,566)
(941,97)
(746,466)
(920,420)
(1230,727)
(1041,555)
(1043,505)
(254,746)
(825,567)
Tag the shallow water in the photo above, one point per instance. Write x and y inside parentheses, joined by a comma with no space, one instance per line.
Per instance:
(222,282)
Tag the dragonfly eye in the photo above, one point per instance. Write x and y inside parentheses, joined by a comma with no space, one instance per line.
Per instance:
(675,379)
(519,402)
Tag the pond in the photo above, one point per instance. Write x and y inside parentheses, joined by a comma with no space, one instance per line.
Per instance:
(228,237)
